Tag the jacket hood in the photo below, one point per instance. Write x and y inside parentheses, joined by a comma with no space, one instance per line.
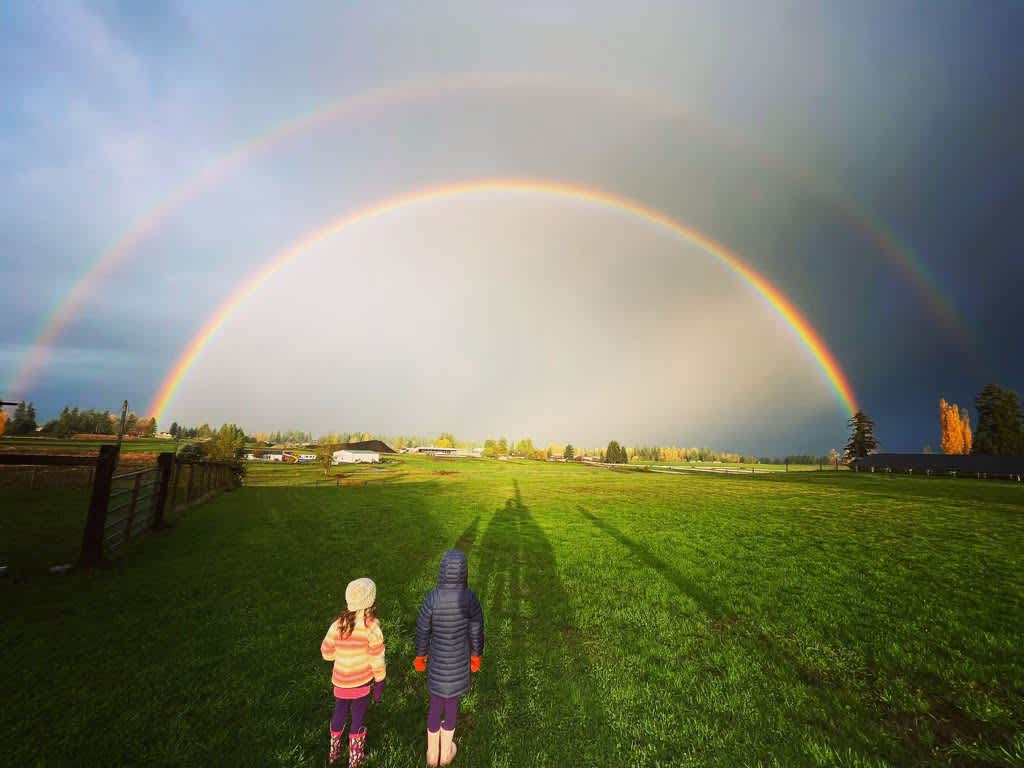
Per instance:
(454,571)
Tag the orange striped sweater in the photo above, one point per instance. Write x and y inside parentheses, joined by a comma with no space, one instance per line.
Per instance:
(359,658)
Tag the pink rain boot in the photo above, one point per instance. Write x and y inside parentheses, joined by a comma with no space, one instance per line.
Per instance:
(356,749)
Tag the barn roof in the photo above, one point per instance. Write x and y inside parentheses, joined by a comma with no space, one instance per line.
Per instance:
(378,446)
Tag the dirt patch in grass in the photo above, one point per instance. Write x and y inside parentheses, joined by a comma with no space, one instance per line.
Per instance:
(444,472)
(943,725)
(723,623)
(949,723)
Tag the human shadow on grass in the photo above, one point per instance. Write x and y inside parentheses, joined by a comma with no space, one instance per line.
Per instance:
(468,537)
(532,698)
(831,701)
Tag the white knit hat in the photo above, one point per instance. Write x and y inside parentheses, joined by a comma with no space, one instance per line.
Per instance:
(360,594)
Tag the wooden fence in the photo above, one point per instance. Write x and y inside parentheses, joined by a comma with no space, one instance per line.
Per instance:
(33,471)
(123,507)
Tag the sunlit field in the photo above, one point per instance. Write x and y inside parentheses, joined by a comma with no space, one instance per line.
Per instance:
(58,445)
(632,618)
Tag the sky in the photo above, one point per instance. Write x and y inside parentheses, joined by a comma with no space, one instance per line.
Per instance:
(865,158)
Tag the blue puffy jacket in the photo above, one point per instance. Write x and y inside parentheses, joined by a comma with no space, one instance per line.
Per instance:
(450,628)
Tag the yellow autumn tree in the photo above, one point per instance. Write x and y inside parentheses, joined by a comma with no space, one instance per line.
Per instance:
(3,421)
(967,444)
(952,433)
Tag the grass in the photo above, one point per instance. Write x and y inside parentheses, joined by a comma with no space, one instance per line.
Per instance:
(54,444)
(809,619)
(41,528)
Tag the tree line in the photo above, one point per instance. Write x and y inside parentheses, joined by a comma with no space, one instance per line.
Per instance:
(74,421)
(1000,430)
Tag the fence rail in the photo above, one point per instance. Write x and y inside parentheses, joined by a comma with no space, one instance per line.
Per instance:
(135,496)
(124,507)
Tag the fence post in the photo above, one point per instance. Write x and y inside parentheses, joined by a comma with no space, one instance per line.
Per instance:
(172,503)
(92,537)
(165,463)
(188,488)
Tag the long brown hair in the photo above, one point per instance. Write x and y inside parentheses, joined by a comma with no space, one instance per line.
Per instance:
(347,620)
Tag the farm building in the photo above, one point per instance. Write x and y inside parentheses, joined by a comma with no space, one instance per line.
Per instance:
(348,456)
(433,450)
(968,465)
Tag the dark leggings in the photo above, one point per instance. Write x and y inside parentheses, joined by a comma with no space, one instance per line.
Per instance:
(341,709)
(438,705)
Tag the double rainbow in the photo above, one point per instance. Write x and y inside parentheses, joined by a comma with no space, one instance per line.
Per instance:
(60,318)
(830,368)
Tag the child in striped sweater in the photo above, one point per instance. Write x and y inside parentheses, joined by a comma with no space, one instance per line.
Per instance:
(356,646)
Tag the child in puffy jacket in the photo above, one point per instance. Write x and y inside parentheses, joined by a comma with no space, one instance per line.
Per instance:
(356,646)
(449,643)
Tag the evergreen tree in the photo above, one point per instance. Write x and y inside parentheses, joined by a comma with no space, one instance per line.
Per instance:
(569,453)
(615,454)
(17,421)
(1000,422)
(862,436)
(174,429)
(24,420)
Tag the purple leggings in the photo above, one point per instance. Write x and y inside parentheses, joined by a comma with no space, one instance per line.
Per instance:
(341,709)
(450,708)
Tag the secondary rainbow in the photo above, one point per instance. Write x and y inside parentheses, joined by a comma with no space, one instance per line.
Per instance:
(826,361)
(63,314)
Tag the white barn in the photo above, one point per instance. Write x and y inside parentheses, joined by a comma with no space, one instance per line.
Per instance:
(348,456)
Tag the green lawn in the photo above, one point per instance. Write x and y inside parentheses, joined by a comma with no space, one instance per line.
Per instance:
(632,618)
(52,444)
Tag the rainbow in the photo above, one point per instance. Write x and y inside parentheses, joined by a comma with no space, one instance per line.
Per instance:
(833,373)
(60,318)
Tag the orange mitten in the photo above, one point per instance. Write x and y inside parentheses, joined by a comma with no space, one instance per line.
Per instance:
(474,663)
(420,662)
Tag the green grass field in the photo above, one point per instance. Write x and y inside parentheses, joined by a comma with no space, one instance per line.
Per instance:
(632,618)
(54,444)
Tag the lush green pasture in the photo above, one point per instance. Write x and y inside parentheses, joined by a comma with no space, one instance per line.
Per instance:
(40,528)
(632,618)
(53,444)
(259,473)
(722,466)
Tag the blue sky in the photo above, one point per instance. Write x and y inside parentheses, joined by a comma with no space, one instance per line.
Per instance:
(547,318)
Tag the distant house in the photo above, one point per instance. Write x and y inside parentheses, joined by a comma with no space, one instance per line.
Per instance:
(349,456)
